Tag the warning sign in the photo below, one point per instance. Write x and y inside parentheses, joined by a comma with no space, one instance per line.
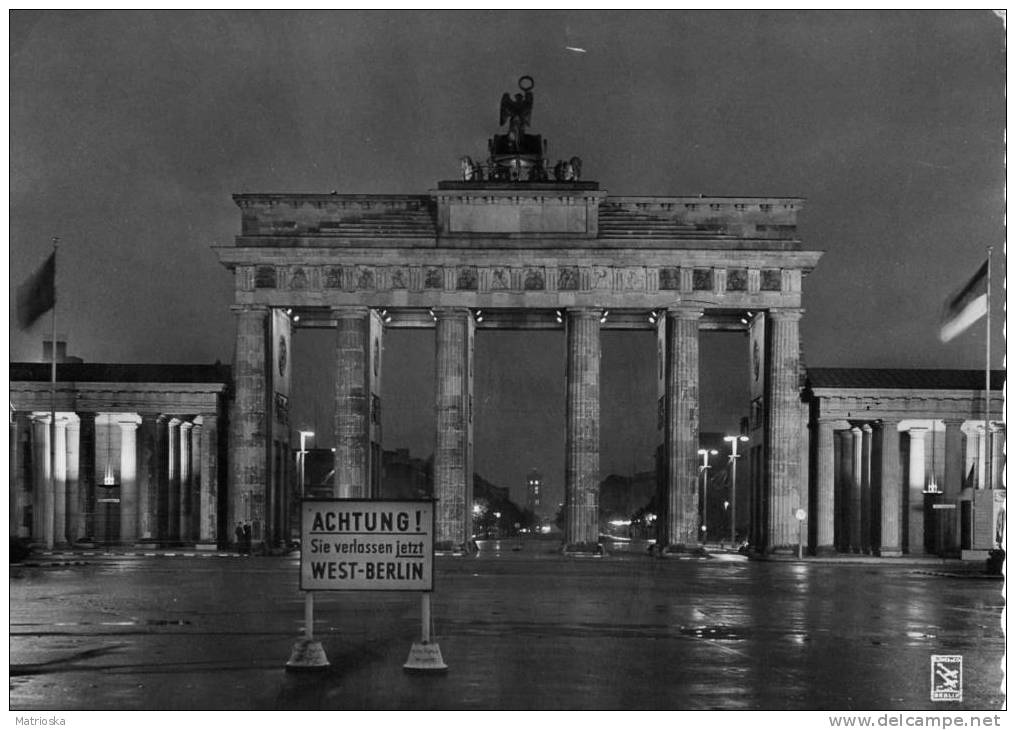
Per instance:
(367,545)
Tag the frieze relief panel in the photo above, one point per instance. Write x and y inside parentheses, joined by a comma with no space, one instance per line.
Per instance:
(355,277)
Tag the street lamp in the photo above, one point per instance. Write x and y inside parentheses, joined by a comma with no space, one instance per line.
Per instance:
(704,468)
(304,435)
(734,456)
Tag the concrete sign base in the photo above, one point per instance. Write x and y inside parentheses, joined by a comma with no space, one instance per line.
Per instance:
(424,657)
(308,655)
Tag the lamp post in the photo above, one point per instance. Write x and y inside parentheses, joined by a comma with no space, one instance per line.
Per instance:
(734,456)
(704,468)
(304,435)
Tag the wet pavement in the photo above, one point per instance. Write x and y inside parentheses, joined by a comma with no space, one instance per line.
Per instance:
(519,629)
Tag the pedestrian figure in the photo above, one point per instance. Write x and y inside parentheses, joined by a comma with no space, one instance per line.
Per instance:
(239,538)
(246,538)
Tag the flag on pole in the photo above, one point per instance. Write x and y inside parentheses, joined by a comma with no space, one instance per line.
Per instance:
(966,306)
(37,295)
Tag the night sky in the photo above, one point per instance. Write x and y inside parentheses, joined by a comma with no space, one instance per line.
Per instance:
(130,131)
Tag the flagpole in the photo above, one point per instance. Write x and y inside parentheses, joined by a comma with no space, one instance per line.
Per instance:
(51,526)
(988,475)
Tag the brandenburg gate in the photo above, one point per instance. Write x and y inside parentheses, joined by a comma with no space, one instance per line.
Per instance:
(518,244)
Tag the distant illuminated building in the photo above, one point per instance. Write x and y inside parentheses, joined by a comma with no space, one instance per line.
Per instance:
(534,487)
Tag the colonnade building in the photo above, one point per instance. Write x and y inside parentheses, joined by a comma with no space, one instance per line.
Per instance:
(901,461)
(136,454)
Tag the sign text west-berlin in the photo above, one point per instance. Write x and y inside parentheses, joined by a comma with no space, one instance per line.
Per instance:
(367,545)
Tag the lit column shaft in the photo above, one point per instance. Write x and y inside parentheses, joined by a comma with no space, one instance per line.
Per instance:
(128,481)
(208,518)
(452,477)
(890,488)
(148,478)
(681,429)
(866,527)
(75,518)
(352,403)
(184,515)
(786,489)
(60,483)
(173,480)
(857,452)
(249,419)
(824,514)
(582,430)
(915,488)
(42,497)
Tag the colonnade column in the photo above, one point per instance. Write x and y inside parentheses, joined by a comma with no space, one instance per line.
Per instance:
(952,486)
(128,481)
(582,430)
(681,426)
(86,474)
(42,498)
(148,480)
(74,524)
(59,500)
(248,424)
(173,479)
(866,526)
(352,402)
(824,508)
(184,515)
(453,479)
(915,491)
(193,514)
(208,502)
(890,494)
(843,448)
(856,454)
(160,507)
(785,485)
(20,459)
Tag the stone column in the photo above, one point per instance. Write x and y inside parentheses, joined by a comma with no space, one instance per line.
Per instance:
(582,430)
(173,480)
(42,497)
(161,507)
(148,478)
(128,481)
(681,427)
(194,499)
(453,483)
(352,402)
(951,487)
(915,491)
(86,474)
(208,532)
(20,483)
(889,479)
(856,453)
(866,525)
(785,484)
(824,511)
(248,443)
(997,457)
(842,445)
(60,483)
(184,516)
(983,454)
(75,518)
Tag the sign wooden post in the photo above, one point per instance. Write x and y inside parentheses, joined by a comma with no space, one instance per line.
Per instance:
(370,545)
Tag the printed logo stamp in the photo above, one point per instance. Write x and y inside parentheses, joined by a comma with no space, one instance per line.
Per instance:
(946,678)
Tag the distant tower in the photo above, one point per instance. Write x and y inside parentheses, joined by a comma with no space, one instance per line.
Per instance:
(534,488)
